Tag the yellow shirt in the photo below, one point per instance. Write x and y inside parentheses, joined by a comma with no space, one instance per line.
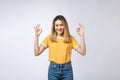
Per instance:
(59,51)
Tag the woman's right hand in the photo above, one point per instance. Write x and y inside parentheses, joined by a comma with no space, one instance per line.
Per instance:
(37,30)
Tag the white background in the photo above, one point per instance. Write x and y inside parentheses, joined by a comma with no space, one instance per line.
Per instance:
(102,25)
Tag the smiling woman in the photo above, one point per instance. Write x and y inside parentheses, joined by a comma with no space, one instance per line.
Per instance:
(60,48)
(102,29)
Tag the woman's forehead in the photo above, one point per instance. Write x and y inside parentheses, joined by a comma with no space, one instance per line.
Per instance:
(58,22)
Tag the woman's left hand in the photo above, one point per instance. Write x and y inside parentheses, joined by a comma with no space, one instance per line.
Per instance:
(80,30)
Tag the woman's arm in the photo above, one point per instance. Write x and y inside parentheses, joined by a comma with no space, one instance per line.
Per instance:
(38,49)
(81,49)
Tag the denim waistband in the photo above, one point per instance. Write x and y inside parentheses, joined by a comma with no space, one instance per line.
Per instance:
(61,65)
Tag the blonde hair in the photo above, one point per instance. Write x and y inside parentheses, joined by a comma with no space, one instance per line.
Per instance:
(66,33)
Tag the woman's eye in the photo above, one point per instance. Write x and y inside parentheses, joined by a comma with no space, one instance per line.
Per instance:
(61,24)
(56,25)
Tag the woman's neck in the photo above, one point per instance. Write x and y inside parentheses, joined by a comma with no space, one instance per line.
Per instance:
(59,35)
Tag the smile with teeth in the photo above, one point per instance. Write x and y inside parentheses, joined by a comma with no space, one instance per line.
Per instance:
(59,30)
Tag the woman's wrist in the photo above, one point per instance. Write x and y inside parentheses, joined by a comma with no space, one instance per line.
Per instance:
(81,36)
(36,37)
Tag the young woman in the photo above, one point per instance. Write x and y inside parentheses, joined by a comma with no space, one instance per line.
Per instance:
(60,44)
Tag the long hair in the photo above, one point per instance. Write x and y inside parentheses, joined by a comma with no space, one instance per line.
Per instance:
(66,33)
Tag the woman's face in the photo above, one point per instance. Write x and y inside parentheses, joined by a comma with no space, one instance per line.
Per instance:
(59,27)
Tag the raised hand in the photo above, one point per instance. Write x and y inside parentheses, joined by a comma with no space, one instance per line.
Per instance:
(37,30)
(80,30)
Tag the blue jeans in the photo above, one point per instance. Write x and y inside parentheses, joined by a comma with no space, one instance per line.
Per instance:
(60,71)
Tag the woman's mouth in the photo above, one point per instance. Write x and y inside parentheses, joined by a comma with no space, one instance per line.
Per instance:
(59,30)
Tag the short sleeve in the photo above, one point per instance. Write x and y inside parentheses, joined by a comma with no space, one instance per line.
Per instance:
(74,43)
(45,42)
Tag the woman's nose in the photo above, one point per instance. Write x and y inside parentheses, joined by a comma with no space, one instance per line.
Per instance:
(59,27)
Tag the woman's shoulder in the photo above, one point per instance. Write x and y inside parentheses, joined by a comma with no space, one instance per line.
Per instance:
(73,38)
(48,36)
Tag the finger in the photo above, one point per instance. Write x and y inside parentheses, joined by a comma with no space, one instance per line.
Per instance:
(41,29)
(34,27)
(78,29)
(81,25)
(38,26)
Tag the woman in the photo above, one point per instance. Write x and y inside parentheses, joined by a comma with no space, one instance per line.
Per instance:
(60,44)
